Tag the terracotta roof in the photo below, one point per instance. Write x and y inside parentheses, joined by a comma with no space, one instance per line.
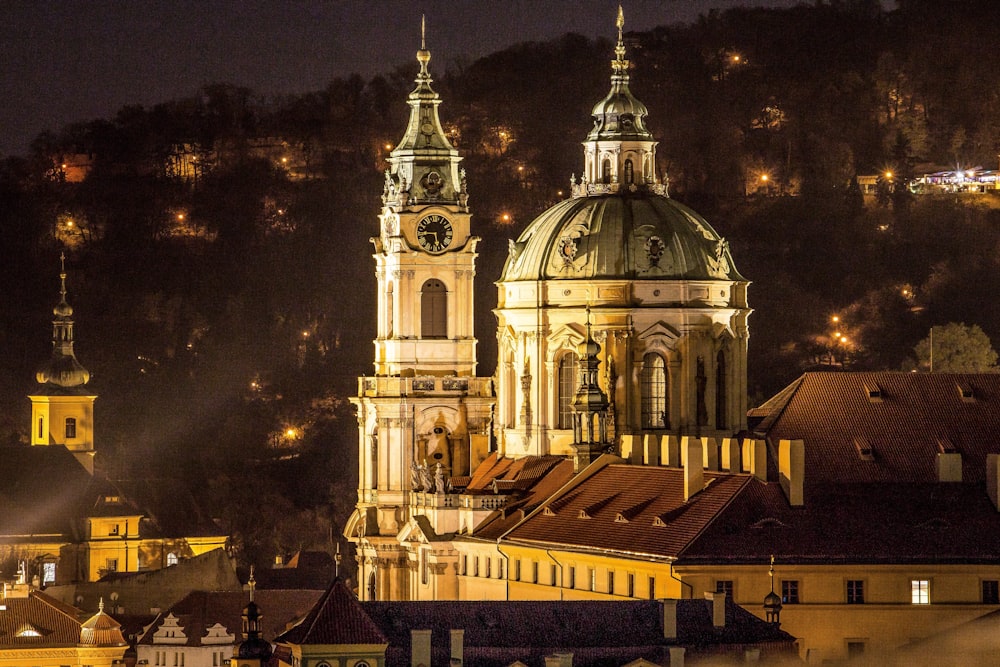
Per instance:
(536,478)
(905,419)
(337,618)
(854,523)
(101,630)
(37,621)
(201,610)
(498,633)
(639,506)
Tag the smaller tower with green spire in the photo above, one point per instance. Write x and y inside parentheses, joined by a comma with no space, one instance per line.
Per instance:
(62,409)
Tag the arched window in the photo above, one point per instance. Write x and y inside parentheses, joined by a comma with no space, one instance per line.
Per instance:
(720,390)
(371,586)
(629,173)
(171,559)
(568,375)
(606,170)
(374,445)
(388,312)
(70,427)
(433,310)
(654,392)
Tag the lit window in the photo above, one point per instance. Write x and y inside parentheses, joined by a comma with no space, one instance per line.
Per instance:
(991,591)
(855,591)
(789,591)
(171,559)
(568,372)
(49,573)
(920,591)
(28,632)
(654,392)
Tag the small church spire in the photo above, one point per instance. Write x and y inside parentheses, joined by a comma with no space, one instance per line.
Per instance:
(62,369)
(620,64)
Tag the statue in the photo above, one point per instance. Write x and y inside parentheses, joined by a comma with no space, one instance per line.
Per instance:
(439,478)
(414,476)
(425,478)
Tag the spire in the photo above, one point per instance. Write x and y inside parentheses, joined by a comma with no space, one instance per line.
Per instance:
(254,648)
(62,369)
(424,165)
(620,152)
(590,407)
(772,601)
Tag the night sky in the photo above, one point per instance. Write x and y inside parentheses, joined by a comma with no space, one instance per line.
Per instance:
(68,60)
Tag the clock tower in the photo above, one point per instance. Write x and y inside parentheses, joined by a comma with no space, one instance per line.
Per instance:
(424,417)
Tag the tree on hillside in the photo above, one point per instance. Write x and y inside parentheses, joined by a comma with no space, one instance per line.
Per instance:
(957,348)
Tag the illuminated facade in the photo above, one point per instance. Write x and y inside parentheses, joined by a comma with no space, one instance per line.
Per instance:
(424,416)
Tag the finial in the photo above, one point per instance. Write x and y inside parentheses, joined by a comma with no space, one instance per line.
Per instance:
(252,583)
(770,573)
(620,65)
(423,55)
(100,605)
(62,275)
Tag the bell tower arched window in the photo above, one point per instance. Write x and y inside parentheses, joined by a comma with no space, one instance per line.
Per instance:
(654,392)
(629,173)
(720,390)
(433,310)
(569,372)
(606,170)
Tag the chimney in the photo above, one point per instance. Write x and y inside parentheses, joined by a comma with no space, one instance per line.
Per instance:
(949,467)
(651,450)
(731,455)
(457,647)
(718,608)
(559,660)
(669,619)
(694,475)
(420,648)
(677,656)
(993,478)
(629,451)
(670,451)
(791,470)
(711,451)
(755,458)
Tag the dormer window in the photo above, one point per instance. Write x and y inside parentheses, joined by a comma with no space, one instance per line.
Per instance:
(965,392)
(874,393)
(865,449)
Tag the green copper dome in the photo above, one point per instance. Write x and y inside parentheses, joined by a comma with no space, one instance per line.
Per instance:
(619,236)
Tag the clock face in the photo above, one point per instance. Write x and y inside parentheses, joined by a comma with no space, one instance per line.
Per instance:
(434,233)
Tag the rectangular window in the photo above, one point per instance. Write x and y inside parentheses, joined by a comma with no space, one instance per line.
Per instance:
(611,582)
(920,591)
(592,577)
(855,649)
(631,585)
(475,566)
(855,591)
(789,591)
(725,586)
(500,568)
(991,591)
(41,428)
(534,572)
(652,587)
(553,579)
(111,564)
(571,577)
(49,573)
(517,570)
(465,564)
(423,566)
(70,427)
(489,566)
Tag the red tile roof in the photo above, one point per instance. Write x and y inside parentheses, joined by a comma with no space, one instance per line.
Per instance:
(905,424)
(854,523)
(623,505)
(37,621)
(337,618)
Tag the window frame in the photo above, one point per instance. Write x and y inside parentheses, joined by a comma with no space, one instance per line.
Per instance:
(854,591)
(654,391)
(920,591)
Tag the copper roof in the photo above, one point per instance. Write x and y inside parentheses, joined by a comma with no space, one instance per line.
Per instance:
(642,507)
(905,419)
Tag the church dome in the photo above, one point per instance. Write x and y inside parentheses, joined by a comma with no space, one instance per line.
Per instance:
(625,235)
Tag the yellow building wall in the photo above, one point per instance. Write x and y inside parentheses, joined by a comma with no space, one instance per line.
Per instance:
(825,624)
(60,657)
(48,421)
